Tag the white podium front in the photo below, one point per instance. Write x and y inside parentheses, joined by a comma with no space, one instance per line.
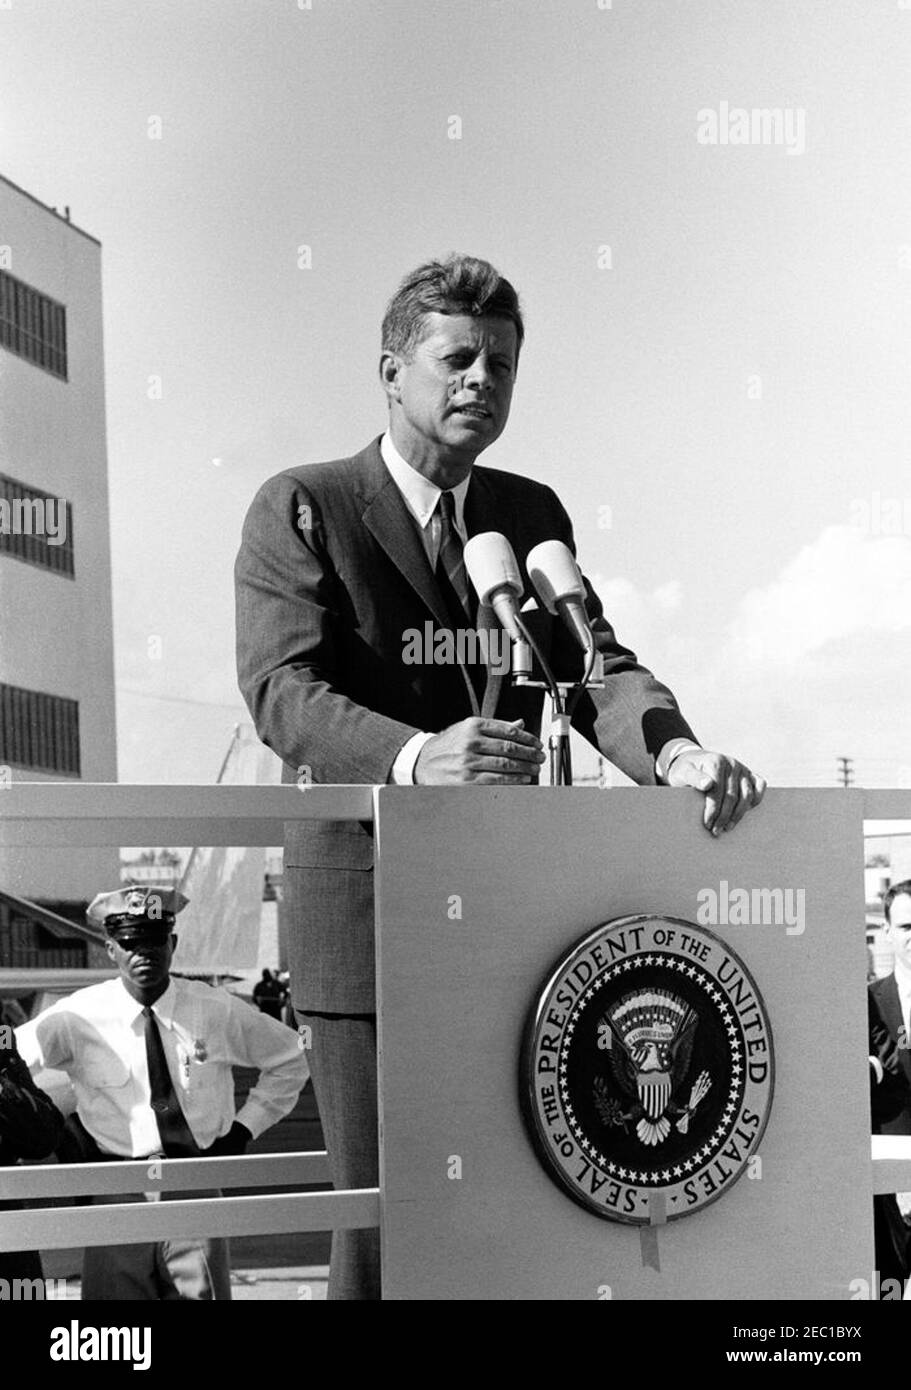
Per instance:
(479,891)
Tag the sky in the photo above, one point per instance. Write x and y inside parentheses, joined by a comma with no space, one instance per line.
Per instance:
(715,376)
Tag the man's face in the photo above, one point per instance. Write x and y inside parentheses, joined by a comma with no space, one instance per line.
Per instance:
(900,929)
(456,389)
(143,959)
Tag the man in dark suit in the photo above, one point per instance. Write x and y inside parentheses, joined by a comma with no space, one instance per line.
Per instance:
(338,561)
(31,1126)
(890,1030)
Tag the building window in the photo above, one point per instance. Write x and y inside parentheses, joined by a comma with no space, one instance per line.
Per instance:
(32,325)
(39,732)
(36,527)
(26,943)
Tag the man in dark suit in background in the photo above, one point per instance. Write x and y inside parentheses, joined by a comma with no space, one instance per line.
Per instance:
(890,1031)
(338,561)
(31,1127)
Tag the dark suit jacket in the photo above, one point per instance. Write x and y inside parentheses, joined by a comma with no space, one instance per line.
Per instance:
(891,1099)
(30,1127)
(330,573)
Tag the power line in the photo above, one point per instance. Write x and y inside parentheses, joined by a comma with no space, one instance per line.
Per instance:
(179,699)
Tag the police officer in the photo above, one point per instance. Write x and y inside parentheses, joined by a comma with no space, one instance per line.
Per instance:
(150,1058)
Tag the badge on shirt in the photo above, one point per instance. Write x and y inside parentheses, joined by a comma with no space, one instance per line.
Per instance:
(189,1052)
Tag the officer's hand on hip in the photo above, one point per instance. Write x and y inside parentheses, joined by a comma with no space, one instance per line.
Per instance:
(234,1142)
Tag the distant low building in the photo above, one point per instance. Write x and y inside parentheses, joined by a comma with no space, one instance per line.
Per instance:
(888,861)
(153,866)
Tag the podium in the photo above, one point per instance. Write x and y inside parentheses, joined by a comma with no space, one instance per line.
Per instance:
(479,892)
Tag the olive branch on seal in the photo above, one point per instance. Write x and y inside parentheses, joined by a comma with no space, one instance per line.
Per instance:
(610,1111)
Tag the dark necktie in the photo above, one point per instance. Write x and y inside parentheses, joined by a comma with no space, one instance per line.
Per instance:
(458,595)
(451,574)
(176,1138)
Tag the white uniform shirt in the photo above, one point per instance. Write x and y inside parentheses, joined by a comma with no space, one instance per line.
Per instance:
(97,1036)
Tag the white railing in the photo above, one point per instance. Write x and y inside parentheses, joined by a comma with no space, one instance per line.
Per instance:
(79,814)
(103,813)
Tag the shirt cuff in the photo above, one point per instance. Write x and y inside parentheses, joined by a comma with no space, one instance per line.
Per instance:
(877,1066)
(669,752)
(402,774)
(254,1118)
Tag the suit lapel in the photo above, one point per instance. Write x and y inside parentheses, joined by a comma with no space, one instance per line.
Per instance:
(489,623)
(393,527)
(486,512)
(483,511)
(891,1006)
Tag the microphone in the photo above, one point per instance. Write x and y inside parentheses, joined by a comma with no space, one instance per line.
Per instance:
(494,571)
(553,571)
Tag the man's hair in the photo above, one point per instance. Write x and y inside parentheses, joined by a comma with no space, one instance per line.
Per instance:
(897,890)
(456,285)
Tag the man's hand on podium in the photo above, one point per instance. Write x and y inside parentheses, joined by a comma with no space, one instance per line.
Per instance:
(489,751)
(730,788)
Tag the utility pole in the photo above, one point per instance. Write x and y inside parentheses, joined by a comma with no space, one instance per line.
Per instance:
(845,772)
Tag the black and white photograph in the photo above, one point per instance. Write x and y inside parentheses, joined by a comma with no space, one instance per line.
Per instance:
(455,664)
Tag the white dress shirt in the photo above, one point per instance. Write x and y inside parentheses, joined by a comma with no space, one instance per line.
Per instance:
(903,983)
(97,1036)
(421,498)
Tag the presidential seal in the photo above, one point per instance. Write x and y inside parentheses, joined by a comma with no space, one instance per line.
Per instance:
(647,1070)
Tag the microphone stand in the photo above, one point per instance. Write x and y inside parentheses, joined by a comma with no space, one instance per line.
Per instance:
(565,696)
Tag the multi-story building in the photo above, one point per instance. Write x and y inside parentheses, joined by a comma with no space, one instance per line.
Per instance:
(57,708)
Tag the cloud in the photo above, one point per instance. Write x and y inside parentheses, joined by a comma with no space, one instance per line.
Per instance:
(844,584)
(814,664)
(799,670)
(634,611)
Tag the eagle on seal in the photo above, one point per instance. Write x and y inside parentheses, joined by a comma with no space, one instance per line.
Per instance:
(648,1036)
